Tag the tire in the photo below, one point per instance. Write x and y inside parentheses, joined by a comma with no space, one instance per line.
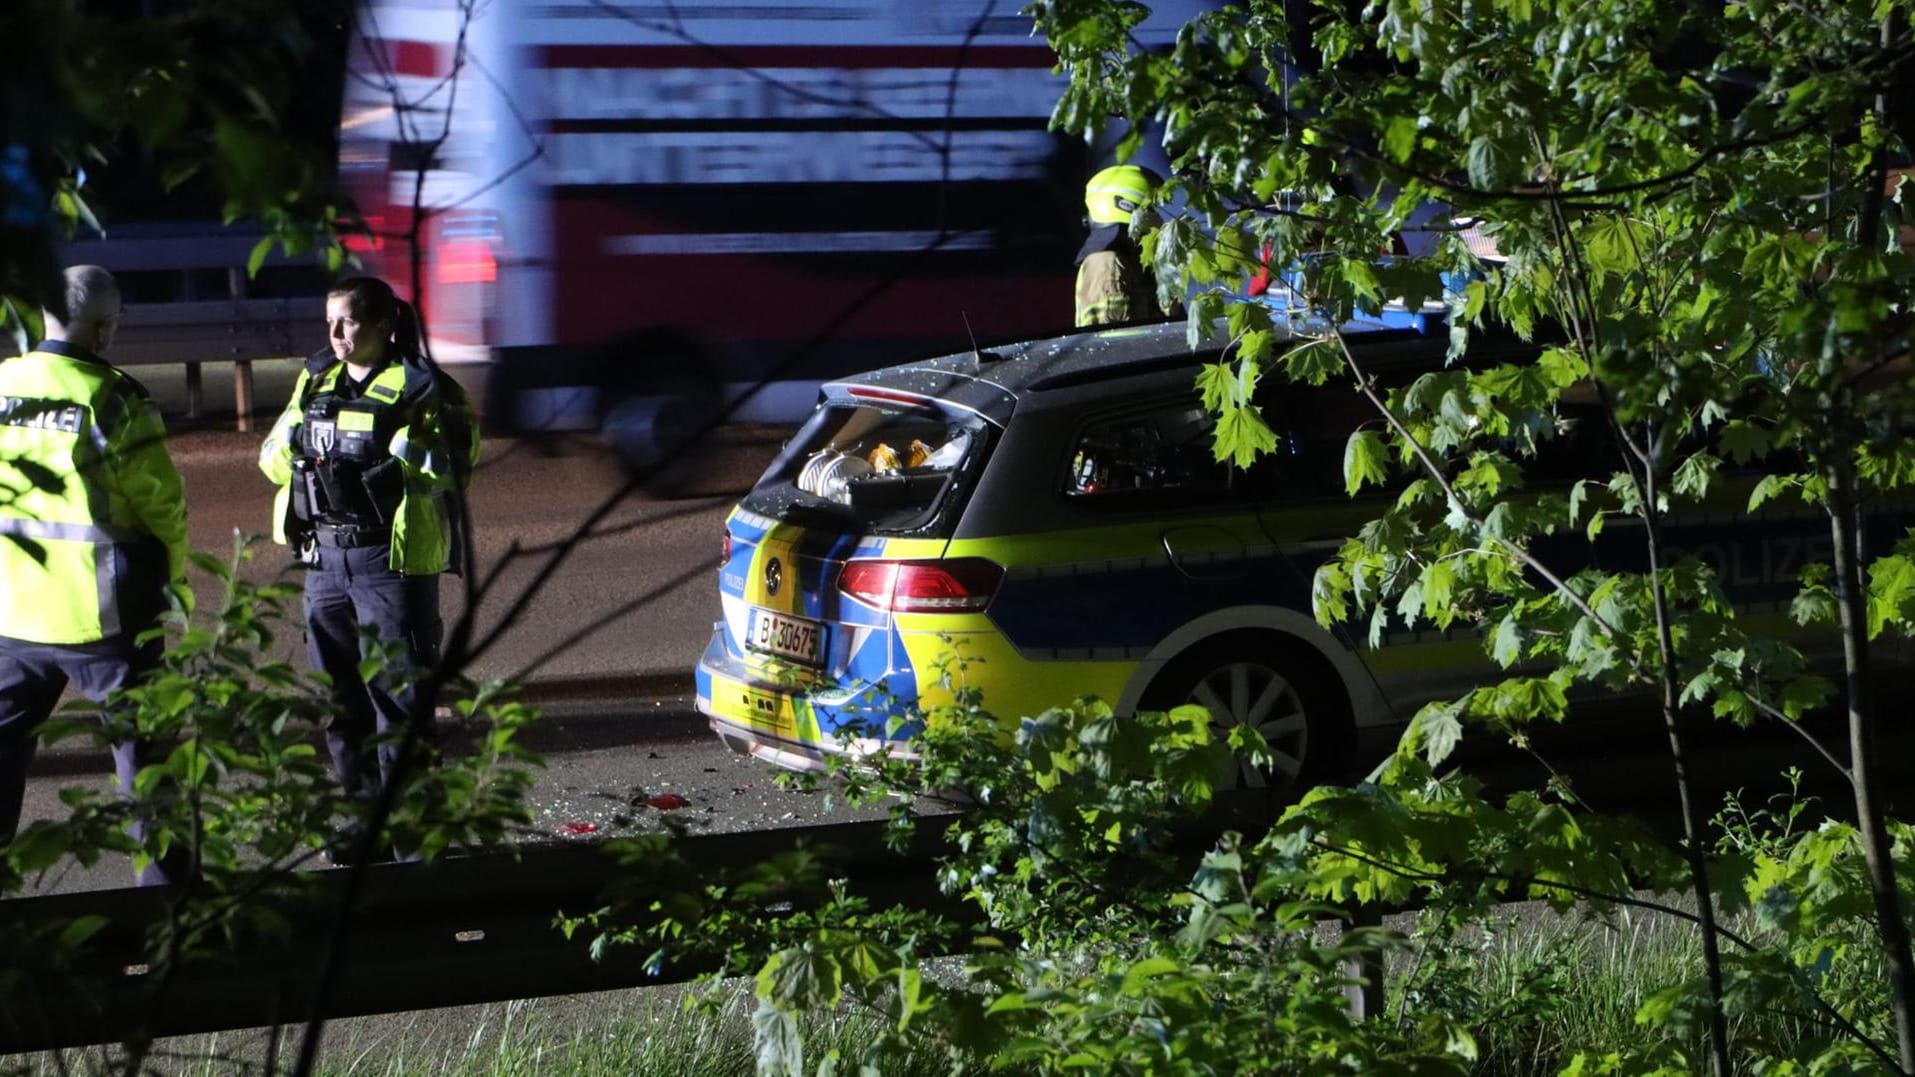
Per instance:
(658,396)
(647,431)
(1288,693)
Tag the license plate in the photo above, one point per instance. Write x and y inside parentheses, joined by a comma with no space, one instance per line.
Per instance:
(787,637)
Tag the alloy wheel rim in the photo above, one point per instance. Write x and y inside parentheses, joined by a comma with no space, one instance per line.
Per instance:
(1255,695)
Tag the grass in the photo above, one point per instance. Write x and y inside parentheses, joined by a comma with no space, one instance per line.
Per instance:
(651,1038)
(654,1035)
(1541,987)
(1538,988)
(615,1034)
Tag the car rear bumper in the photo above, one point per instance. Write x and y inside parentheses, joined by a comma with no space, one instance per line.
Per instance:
(799,728)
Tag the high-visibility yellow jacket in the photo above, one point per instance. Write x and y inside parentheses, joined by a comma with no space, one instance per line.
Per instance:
(92,511)
(436,442)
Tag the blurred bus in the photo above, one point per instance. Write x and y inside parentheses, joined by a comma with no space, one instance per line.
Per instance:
(631,214)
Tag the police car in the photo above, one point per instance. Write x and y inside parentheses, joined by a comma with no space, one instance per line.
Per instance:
(1051,513)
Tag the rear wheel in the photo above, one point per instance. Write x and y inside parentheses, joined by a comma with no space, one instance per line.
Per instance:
(653,430)
(659,396)
(1268,685)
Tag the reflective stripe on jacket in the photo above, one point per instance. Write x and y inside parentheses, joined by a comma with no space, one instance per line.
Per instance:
(92,511)
(437,446)
(1112,287)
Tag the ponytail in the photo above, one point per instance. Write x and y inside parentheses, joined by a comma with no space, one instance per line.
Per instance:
(406,338)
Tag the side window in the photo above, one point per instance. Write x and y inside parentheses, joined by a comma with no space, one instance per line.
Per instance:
(1156,453)
(1312,425)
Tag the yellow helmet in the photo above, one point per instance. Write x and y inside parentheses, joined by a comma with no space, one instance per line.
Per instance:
(1113,194)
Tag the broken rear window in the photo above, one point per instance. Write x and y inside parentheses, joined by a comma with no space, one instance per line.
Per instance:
(889,468)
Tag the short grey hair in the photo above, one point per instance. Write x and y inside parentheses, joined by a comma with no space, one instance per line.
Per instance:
(91,295)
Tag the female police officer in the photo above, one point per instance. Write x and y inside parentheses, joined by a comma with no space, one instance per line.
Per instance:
(369,455)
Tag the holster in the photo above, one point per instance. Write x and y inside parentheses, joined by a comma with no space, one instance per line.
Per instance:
(305,495)
(385,485)
(340,499)
(140,582)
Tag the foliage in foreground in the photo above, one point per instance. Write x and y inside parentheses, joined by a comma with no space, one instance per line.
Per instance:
(1096,935)
(237,779)
(1535,984)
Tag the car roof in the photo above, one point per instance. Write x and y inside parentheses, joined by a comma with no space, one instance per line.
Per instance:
(990,381)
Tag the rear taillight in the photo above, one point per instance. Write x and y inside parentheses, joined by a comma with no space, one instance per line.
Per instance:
(959,585)
(725,558)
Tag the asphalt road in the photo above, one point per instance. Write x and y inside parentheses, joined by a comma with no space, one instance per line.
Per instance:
(605,762)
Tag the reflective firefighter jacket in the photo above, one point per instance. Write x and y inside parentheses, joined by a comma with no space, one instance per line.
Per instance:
(92,511)
(1109,291)
(396,455)
(1112,284)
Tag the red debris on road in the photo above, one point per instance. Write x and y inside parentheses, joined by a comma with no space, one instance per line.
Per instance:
(575,827)
(666,801)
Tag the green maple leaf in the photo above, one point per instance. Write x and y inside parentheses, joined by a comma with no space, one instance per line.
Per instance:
(1242,436)
(1364,461)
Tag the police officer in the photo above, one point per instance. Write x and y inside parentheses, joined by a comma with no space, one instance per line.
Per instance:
(1112,284)
(92,535)
(370,455)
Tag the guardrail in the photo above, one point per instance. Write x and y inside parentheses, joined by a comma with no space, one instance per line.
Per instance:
(210,312)
(231,330)
(419,936)
(459,931)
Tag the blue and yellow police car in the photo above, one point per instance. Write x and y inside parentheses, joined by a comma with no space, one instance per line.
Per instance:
(1052,512)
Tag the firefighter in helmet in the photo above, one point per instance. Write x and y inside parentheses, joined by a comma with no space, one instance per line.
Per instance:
(1112,283)
(371,456)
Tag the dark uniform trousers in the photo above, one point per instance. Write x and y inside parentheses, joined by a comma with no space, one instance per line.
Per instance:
(32,676)
(354,591)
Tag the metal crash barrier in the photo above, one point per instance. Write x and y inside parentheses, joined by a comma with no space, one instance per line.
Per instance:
(194,294)
(418,936)
(238,331)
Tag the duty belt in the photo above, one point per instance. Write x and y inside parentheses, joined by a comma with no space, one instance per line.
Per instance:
(351,536)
